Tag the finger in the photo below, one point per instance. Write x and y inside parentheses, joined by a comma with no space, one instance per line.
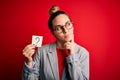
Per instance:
(29,46)
(28,49)
(29,53)
(67,46)
(67,43)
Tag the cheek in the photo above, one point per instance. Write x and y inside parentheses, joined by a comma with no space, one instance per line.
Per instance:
(57,35)
(72,31)
(60,36)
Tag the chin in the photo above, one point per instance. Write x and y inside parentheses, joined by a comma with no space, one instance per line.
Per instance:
(67,40)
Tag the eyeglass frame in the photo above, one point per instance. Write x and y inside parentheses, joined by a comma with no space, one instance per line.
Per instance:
(63,27)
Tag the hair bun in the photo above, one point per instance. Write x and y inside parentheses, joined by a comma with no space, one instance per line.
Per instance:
(54,9)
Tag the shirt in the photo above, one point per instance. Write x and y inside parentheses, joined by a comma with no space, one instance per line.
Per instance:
(61,54)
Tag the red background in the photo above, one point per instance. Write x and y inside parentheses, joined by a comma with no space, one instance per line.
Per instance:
(96,26)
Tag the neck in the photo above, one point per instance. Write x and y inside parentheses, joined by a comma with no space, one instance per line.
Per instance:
(60,44)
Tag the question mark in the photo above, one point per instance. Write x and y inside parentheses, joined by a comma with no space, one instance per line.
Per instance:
(37,39)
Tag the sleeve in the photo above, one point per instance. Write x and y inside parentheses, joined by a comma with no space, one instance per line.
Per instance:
(31,73)
(78,65)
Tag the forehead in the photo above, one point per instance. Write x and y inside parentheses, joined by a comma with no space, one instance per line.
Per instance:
(60,19)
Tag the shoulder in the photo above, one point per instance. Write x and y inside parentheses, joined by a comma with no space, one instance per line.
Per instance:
(81,50)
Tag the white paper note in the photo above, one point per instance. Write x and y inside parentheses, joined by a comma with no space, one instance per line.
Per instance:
(37,40)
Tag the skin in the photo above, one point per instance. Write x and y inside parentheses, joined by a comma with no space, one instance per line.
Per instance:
(65,39)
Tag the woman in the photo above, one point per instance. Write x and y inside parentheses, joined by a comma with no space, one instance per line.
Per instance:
(61,60)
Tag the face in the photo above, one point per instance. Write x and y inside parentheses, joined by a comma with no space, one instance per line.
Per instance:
(63,28)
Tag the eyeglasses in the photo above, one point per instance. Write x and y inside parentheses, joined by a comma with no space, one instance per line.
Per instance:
(60,28)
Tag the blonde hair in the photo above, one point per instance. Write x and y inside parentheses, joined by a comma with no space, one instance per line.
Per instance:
(53,9)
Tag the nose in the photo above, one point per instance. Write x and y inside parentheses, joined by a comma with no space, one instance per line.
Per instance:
(65,30)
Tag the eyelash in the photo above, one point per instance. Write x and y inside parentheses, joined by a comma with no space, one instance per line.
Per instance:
(60,27)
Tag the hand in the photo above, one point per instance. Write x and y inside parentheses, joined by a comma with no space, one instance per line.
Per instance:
(28,52)
(70,46)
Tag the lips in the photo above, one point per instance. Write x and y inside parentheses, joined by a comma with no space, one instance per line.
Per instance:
(67,37)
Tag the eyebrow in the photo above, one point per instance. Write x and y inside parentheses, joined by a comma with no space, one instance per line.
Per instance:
(62,25)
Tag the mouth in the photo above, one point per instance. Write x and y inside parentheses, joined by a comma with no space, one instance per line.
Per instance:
(68,38)
(67,35)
